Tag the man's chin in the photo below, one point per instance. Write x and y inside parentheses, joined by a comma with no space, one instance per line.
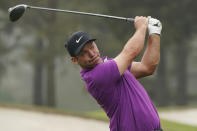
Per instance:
(93,64)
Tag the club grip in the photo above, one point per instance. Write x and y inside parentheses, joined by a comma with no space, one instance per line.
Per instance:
(130,20)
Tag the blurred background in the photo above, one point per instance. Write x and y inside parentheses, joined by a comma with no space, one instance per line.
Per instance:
(35,68)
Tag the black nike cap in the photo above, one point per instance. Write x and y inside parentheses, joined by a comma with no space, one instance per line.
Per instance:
(76,42)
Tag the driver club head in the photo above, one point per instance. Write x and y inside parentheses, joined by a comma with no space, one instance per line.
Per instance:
(16,12)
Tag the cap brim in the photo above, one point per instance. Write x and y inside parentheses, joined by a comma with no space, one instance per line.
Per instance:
(82,45)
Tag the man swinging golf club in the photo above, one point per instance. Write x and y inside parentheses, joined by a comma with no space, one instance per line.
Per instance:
(113,81)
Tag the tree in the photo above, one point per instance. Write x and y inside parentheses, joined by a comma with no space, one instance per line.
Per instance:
(51,101)
(38,73)
(183,30)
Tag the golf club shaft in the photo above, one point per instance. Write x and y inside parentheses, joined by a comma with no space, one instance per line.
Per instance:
(82,13)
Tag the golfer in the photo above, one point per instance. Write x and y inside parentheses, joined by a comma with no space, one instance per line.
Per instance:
(113,81)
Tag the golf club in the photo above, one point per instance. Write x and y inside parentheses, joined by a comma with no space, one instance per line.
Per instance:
(17,11)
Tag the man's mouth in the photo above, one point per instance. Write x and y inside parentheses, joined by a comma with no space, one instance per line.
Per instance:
(94,59)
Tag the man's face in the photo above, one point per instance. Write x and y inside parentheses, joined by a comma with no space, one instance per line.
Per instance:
(88,57)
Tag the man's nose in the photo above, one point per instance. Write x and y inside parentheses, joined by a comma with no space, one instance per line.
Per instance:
(91,53)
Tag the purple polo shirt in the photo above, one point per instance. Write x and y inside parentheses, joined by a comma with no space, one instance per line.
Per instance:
(122,97)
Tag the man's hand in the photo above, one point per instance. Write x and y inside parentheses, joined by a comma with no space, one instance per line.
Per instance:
(154,26)
(140,22)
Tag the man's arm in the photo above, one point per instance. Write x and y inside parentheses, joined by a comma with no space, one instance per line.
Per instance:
(151,56)
(150,59)
(134,46)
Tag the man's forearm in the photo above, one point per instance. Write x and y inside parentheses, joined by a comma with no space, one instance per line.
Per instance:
(136,44)
(151,55)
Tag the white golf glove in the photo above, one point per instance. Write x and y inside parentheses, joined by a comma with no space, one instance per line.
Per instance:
(154,26)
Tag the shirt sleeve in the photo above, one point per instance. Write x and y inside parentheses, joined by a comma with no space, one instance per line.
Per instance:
(106,74)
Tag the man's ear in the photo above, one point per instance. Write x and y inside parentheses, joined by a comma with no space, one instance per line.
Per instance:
(74,60)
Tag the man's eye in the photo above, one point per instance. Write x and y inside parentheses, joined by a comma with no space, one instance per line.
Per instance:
(92,47)
(83,53)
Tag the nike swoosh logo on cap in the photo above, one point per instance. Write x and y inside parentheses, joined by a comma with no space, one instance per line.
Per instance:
(77,41)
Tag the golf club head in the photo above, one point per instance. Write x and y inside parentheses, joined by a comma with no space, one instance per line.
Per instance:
(16,12)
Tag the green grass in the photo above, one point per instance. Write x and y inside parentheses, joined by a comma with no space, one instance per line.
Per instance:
(98,115)
(166,125)
(177,108)
(173,126)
